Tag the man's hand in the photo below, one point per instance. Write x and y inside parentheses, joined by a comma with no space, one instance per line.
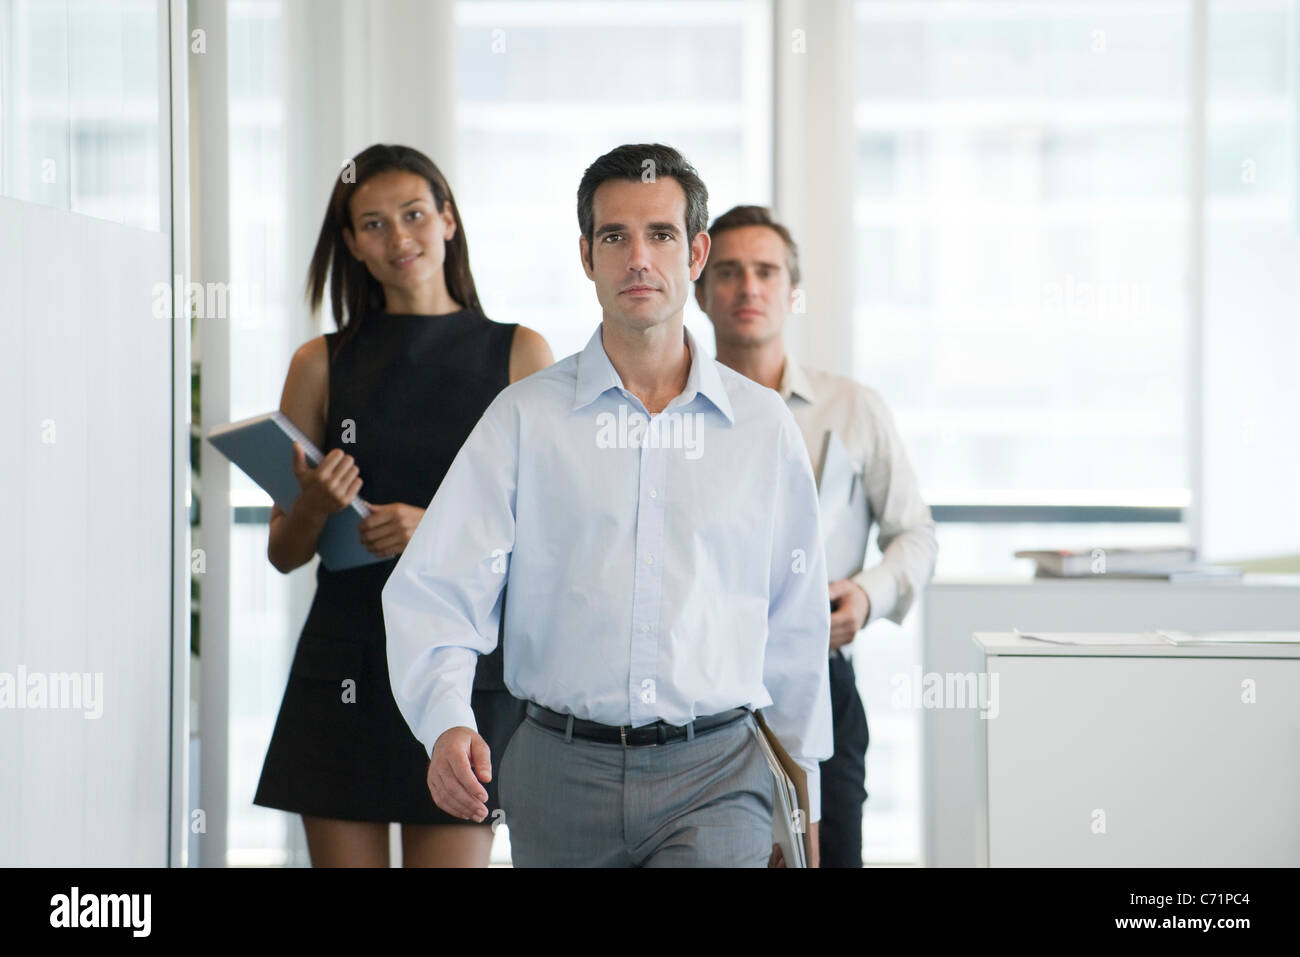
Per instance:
(777,859)
(461,759)
(851,607)
(387,530)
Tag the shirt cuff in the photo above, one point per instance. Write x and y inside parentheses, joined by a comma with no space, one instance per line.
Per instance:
(450,712)
(882,591)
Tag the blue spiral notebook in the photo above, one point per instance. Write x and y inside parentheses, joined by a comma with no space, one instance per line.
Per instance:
(263,448)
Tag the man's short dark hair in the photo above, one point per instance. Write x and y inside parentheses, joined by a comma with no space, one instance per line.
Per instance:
(644,162)
(739,216)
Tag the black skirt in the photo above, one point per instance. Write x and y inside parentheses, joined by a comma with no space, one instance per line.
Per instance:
(341,749)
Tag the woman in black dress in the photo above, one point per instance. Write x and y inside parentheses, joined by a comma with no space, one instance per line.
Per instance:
(389,398)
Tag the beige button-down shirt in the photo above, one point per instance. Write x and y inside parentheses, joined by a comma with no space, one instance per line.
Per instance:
(823,402)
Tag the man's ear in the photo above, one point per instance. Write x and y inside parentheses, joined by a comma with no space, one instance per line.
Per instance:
(584,252)
(699,254)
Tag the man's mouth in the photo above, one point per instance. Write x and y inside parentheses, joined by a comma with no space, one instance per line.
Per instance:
(639,290)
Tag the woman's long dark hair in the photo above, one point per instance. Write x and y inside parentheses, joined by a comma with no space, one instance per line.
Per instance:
(353,290)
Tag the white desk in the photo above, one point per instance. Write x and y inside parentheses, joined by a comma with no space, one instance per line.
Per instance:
(1140,755)
(954,610)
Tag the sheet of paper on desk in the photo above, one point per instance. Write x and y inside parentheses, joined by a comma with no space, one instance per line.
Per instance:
(1230,637)
(1093,637)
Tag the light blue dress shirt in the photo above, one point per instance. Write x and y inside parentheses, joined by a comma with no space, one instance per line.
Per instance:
(659,567)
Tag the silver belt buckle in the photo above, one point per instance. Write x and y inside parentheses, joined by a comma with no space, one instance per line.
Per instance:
(622,736)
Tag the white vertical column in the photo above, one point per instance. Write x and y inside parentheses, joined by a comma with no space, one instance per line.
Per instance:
(815,146)
(320,91)
(355,75)
(213,265)
(175,26)
(412,81)
(757,134)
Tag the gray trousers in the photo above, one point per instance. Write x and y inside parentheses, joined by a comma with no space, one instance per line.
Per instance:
(571,802)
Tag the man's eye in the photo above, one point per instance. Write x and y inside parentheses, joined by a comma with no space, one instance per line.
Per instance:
(609,237)
(665,235)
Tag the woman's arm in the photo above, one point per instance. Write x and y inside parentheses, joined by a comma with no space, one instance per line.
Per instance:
(327,488)
(529,353)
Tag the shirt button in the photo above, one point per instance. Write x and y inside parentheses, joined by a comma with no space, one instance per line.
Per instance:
(649,559)
(654,494)
(645,628)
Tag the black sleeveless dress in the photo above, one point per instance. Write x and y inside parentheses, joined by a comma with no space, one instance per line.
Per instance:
(404,393)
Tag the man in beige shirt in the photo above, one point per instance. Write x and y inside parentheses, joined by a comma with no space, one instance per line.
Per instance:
(747,290)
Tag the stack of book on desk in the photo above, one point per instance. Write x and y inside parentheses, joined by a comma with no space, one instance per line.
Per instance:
(1175,563)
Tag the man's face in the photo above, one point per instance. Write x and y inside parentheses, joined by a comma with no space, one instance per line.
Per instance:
(640,257)
(747,293)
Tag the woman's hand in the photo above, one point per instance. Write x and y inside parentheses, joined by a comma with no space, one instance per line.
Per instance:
(388,528)
(329,487)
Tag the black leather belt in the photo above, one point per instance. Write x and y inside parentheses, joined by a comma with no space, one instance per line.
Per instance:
(644,737)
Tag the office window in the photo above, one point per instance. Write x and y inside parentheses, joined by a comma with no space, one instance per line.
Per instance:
(1252,279)
(1021,222)
(1021,216)
(79,113)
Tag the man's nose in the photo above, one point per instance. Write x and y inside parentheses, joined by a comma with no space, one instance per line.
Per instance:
(752,287)
(638,254)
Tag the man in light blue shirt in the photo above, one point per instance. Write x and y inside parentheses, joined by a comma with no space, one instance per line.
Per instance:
(655,517)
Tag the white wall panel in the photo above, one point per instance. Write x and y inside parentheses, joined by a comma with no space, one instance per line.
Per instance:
(85,577)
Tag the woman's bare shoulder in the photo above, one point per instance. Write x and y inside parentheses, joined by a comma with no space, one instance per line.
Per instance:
(529,353)
(306,388)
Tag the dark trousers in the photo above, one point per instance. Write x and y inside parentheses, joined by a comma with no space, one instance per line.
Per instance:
(844,773)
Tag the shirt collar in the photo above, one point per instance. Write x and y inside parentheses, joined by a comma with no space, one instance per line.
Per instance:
(794,381)
(597,375)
